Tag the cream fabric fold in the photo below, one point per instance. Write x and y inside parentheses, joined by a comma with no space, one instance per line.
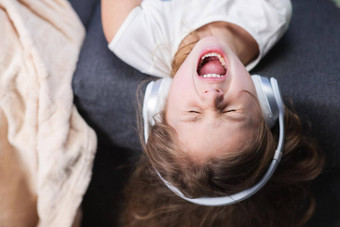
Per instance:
(46,148)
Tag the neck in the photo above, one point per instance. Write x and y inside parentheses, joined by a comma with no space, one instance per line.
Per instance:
(240,41)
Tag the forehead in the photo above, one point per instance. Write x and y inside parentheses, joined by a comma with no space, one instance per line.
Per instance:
(204,141)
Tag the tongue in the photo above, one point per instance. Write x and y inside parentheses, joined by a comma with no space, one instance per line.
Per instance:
(212,67)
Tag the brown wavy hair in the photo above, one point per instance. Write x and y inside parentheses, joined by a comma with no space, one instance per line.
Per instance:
(284,201)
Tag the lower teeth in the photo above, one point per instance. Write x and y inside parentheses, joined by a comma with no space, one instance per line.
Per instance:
(211,75)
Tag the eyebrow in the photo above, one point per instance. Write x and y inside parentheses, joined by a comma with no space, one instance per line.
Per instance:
(230,117)
(191,119)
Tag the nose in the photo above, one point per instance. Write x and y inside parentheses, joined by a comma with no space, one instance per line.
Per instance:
(212,98)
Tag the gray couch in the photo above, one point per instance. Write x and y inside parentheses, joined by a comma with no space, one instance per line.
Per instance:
(306,62)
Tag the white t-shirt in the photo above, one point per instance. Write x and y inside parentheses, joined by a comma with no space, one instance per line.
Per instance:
(149,37)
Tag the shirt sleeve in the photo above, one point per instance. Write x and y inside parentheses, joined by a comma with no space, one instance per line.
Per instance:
(136,52)
(274,22)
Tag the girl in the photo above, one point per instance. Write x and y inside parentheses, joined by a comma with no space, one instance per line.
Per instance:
(213,143)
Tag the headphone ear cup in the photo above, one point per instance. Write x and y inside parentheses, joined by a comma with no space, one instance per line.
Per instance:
(155,97)
(266,97)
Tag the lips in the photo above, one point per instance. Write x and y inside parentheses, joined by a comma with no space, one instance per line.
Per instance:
(212,65)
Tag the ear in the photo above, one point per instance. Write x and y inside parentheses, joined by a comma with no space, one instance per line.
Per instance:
(155,97)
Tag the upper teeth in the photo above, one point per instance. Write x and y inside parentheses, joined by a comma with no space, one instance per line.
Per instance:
(220,58)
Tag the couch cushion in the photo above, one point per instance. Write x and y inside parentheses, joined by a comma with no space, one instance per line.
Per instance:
(84,9)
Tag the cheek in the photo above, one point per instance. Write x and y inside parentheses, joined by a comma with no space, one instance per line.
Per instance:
(242,80)
(182,84)
(183,75)
(176,100)
(188,67)
(236,66)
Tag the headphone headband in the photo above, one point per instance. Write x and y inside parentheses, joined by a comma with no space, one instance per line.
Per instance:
(272,106)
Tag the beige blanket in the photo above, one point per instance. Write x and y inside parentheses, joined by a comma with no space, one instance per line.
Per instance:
(46,148)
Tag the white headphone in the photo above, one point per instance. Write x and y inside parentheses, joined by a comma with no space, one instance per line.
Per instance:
(272,106)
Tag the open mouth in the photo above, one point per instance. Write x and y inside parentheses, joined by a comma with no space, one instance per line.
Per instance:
(212,65)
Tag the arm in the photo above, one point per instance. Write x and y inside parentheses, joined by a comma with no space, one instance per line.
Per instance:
(114,13)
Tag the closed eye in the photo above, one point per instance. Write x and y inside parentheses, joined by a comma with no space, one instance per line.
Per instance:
(228,111)
(235,113)
(192,115)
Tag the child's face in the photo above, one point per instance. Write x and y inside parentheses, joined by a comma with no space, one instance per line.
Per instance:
(212,114)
